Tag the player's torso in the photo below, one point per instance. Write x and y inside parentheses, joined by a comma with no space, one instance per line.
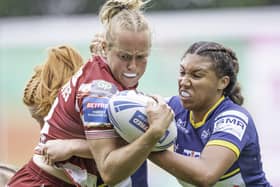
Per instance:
(64,120)
(191,141)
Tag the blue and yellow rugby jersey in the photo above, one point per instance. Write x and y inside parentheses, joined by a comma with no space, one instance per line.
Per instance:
(226,124)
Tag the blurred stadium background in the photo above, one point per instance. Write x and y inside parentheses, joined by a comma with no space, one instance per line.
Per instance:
(251,28)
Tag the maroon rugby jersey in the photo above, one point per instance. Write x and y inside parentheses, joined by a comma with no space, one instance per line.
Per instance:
(66,118)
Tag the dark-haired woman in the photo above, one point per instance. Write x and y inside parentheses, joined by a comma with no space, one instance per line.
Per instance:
(217,143)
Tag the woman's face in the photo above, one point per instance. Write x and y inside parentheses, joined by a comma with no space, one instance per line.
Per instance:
(199,86)
(127,58)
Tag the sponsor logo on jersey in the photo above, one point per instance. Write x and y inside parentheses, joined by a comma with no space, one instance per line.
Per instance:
(181,125)
(232,122)
(98,88)
(205,134)
(104,85)
(95,110)
(191,153)
(96,105)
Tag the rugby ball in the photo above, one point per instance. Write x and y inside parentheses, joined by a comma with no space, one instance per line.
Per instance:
(126,111)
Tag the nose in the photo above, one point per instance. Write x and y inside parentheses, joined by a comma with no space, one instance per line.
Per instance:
(184,81)
(132,64)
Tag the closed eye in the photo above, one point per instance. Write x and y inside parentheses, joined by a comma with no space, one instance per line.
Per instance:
(197,75)
(182,73)
(141,57)
(125,57)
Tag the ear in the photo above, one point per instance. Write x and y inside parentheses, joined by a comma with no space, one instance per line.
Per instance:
(104,48)
(223,82)
(104,45)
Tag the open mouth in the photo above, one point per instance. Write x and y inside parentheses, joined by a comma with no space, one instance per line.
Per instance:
(184,94)
(130,75)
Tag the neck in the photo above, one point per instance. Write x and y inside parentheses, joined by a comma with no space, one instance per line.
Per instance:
(200,115)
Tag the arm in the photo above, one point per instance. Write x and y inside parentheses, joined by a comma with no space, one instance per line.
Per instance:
(59,150)
(204,171)
(116,162)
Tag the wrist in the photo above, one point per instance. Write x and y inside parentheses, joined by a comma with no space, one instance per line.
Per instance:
(153,135)
(72,150)
(157,156)
(156,132)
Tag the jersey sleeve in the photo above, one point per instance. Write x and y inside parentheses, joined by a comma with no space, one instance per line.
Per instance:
(93,105)
(230,130)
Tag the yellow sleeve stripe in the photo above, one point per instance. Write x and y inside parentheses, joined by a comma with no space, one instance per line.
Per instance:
(102,185)
(230,174)
(227,144)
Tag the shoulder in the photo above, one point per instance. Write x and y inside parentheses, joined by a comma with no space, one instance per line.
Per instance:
(230,109)
(175,103)
(98,88)
(96,63)
(95,77)
(232,119)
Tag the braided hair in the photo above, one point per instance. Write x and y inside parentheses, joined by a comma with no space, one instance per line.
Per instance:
(41,90)
(123,14)
(225,63)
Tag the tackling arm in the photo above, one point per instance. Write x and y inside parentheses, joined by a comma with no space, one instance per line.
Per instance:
(204,171)
(115,161)
(59,150)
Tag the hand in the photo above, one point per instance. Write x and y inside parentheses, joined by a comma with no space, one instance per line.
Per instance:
(57,150)
(97,45)
(159,115)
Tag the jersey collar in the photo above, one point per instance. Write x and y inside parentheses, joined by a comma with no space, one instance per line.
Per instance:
(200,123)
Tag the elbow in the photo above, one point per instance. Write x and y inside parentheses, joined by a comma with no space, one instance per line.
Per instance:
(110,179)
(206,180)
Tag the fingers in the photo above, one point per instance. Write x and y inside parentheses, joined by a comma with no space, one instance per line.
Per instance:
(42,149)
(159,109)
(47,157)
(157,98)
(157,102)
(49,161)
(39,149)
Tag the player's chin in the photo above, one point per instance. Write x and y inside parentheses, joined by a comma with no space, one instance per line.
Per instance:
(130,82)
(187,104)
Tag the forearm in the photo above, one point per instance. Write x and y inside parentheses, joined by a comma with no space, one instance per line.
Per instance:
(116,161)
(191,170)
(124,161)
(80,148)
